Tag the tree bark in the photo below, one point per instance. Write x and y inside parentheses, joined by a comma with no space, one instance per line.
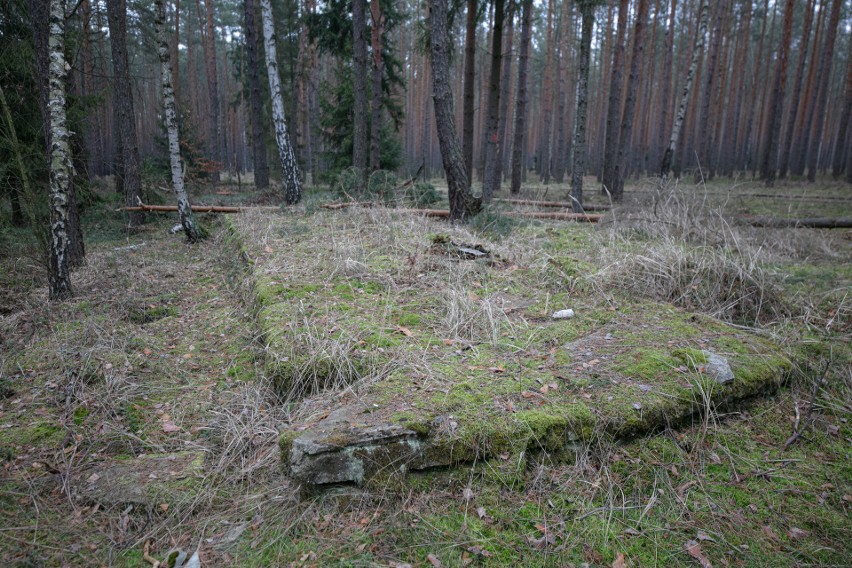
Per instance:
(184,209)
(123,100)
(258,134)
(377,71)
(770,142)
(794,111)
(520,126)
(289,166)
(544,157)
(505,88)
(824,72)
(61,168)
(613,113)
(703,131)
(841,141)
(491,175)
(667,79)
(561,156)
(208,45)
(578,168)
(359,86)
(469,85)
(463,203)
(627,118)
(666,166)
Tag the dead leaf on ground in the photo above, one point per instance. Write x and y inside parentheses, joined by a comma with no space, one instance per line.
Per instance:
(170,427)
(405,331)
(767,530)
(434,560)
(694,550)
(619,561)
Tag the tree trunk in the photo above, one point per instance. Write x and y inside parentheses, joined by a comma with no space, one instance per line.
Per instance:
(377,73)
(561,157)
(505,89)
(703,132)
(544,157)
(359,86)
(491,175)
(208,39)
(123,101)
(823,73)
(840,143)
(289,166)
(667,79)
(176,52)
(519,129)
(770,142)
(258,135)
(687,89)
(794,111)
(613,113)
(184,209)
(469,85)
(463,203)
(578,168)
(625,135)
(61,168)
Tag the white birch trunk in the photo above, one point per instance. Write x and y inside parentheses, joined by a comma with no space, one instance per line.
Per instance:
(687,88)
(184,208)
(61,166)
(289,167)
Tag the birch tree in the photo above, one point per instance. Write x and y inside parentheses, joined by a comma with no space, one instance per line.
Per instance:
(184,209)
(61,167)
(666,166)
(289,167)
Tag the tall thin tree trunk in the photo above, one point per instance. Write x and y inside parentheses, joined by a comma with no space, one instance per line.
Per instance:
(587,12)
(667,78)
(491,175)
(61,168)
(703,131)
(359,85)
(463,203)
(258,136)
(377,72)
(796,97)
(687,89)
(505,88)
(613,113)
(519,129)
(561,157)
(184,209)
(123,100)
(289,166)
(824,72)
(770,142)
(469,85)
(627,118)
(840,143)
(544,157)
(176,51)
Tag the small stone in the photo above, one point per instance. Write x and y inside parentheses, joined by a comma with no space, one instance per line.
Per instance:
(637,406)
(608,337)
(718,368)
(563,314)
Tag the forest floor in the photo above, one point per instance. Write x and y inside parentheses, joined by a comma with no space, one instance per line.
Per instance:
(143,414)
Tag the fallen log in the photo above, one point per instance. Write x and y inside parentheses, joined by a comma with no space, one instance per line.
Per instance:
(559,204)
(805,222)
(199,208)
(439,213)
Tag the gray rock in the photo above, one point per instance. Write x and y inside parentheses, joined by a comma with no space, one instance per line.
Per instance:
(718,368)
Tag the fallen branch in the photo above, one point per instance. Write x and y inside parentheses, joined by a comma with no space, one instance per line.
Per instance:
(557,204)
(147,557)
(805,222)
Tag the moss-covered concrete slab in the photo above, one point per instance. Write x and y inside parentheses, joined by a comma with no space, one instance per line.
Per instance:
(403,359)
